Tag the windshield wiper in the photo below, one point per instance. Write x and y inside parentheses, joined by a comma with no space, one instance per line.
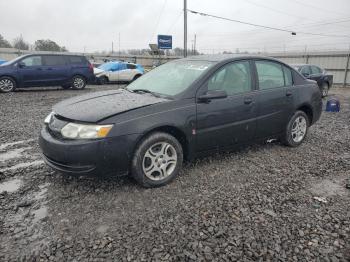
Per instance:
(145,91)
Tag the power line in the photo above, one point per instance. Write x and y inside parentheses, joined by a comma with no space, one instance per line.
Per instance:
(241,22)
(316,7)
(175,22)
(263,26)
(274,10)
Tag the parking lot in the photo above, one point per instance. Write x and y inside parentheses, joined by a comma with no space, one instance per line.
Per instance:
(264,202)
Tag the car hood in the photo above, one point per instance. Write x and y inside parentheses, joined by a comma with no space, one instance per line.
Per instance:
(97,106)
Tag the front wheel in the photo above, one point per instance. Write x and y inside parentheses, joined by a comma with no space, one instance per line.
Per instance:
(296,130)
(325,89)
(157,160)
(78,82)
(7,84)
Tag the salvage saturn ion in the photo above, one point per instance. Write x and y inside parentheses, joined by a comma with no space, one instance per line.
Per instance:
(178,111)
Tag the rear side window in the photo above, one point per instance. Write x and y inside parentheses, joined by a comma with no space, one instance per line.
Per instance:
(288,79)
(53,60)
(270,74)
(315,70)
(234,78)
(130,66)
(32,61)
(76,60)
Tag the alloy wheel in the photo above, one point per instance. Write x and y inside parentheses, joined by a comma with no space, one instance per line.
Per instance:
(299,128)
(78,83)
(159,161)
(6,85)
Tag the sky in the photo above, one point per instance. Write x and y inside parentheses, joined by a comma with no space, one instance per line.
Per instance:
(93,25)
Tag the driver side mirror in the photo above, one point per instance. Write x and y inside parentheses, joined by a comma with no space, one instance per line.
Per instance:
(306,74)
(212,94)
(21,64)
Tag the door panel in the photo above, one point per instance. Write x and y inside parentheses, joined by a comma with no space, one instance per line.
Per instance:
(275,98)
(227,121)
(32,73)
(55,68)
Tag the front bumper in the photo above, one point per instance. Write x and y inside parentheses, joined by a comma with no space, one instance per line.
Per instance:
(108,156)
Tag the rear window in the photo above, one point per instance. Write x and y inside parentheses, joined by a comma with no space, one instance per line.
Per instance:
(54,60)
(288,79)
(130,66)
(77,59)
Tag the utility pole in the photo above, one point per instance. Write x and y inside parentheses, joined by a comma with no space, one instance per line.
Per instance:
(112,47)
(185,28)
(119,45)
(195,42)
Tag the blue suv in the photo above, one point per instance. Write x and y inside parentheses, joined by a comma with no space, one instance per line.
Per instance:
(68,71)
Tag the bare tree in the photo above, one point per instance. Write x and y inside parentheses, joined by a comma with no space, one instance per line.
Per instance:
(20,44)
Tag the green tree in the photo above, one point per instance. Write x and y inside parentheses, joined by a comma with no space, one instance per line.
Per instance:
(4,43)
(19,43)
(48,45)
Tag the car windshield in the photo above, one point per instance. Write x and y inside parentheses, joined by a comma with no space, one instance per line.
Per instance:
(12,61)
(171,78)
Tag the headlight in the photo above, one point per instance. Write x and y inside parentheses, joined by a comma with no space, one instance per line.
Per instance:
(48,118)
(79,131)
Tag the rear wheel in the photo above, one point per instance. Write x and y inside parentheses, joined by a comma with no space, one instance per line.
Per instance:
(7,84)
(296,130)
(102,80)
(325,89)
(157,160)
(78,82)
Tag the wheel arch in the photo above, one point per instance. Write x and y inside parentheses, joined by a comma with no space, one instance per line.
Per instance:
(171,130)
(307,109)
(13,78)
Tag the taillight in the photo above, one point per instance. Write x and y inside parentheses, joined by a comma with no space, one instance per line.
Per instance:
(91,67)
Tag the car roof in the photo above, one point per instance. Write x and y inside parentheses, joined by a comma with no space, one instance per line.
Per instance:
(227,57)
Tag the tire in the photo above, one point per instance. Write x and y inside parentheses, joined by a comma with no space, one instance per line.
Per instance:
(78,82)
(157,160)
(66,86)
(7,84)
(299,122)
(102,80)
(325,89)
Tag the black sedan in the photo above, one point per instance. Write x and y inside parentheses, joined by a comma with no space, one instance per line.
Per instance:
(176,112)
(313,72)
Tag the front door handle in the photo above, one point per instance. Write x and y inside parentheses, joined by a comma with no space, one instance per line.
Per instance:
(248,100)
(289,93)
(49,68)
(39,69)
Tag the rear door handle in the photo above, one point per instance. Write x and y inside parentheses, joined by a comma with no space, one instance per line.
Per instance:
(248,100)
(289,93)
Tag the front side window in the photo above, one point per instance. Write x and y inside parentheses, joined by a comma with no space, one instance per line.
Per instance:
(315,70)
(305,71)
(270,74)
(234,78)
(32,61)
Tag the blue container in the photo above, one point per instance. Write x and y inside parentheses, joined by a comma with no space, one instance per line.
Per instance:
(333,105)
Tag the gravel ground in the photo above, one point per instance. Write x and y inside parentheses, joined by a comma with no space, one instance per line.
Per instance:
(265,202)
